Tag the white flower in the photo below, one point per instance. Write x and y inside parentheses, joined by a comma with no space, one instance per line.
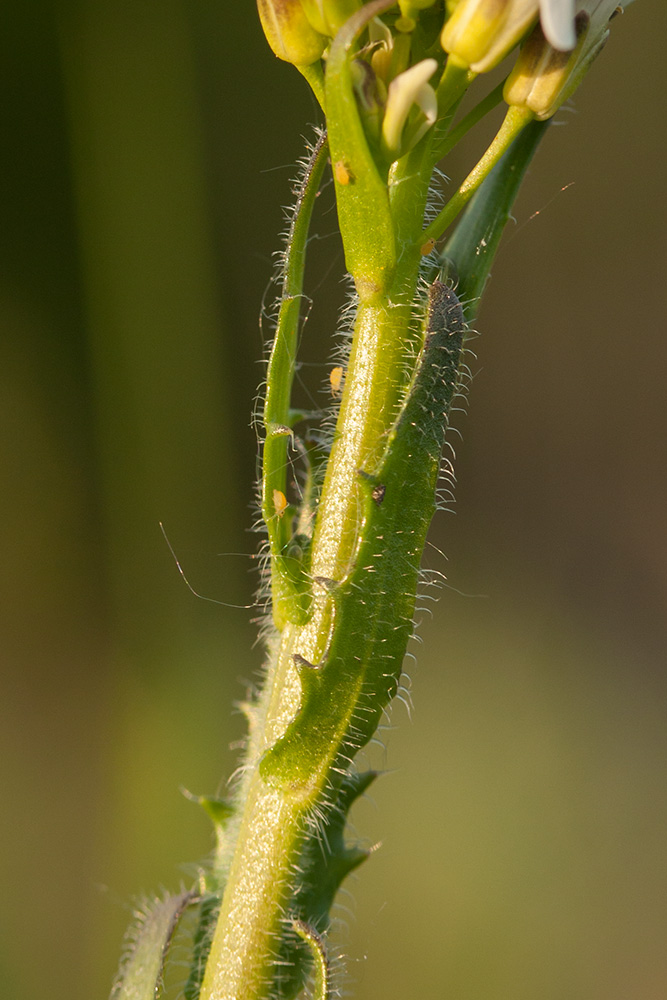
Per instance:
(557,19)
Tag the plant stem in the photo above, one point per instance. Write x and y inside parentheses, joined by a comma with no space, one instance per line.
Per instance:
(368,409)
(287,602)
(275,819)
(516,119)
(480,110)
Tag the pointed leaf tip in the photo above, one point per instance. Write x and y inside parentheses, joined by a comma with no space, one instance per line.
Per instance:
(219,810)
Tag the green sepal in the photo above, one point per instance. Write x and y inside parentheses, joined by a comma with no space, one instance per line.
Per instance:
(289,33)
(329,17)
(361,191)
(342,702)
(147,944)
(470,251)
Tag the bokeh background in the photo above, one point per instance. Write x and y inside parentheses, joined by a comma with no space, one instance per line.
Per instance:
(147,150)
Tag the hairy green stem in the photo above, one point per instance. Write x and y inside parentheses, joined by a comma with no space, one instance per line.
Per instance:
(322,983)
(368,408)
(344,557)
(334,670)
(274,820)
(279,380)
(331,675)
(318,712)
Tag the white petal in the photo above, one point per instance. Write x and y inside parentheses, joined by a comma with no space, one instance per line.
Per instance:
(427,102)
(403,92)
(557,18)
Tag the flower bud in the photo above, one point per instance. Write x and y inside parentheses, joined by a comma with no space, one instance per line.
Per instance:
(480,33)
(541,73)
(289,33)
(544,77)
(383,47)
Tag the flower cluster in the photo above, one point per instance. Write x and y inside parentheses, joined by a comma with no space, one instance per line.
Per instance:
(412,49)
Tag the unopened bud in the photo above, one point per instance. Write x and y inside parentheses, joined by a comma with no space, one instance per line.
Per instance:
(289,32)
(544,77)
(480,33)
(383,47)
(542,72)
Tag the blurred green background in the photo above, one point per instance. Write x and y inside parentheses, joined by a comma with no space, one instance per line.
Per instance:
(147,149)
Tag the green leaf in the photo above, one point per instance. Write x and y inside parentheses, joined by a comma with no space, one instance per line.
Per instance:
(471,249)
(140,974)
(323,866)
